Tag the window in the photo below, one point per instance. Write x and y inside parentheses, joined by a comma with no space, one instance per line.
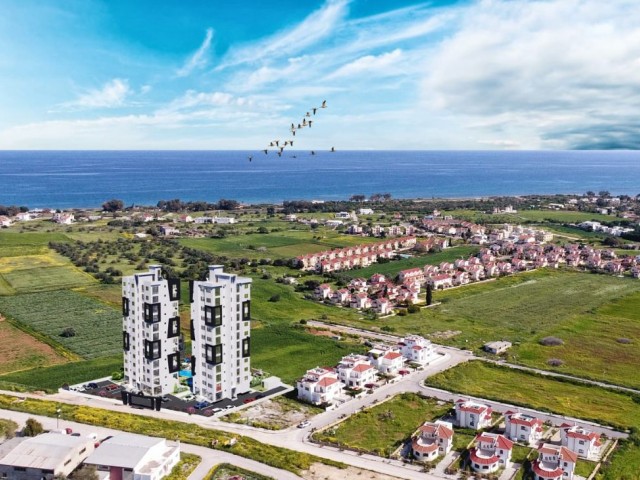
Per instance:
(213,354)
(174,327)
(151,312)
(152,349)
(213,316)
(125,307)
(246,347)
(246,310)
(125,341)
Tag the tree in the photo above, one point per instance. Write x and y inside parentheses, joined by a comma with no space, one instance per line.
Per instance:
(32,428)
(604,194)
(590,194)
(357,198)
(68,332)
(112,205)
(429,294)
(87,472)
(263,230)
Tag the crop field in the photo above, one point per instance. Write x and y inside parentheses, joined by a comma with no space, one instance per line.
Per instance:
(21,351)
(50,378)
(522,388)
(98,327)
(552,216)
(381,429)
(35,273)
(392,268)
(15,244)
(588,312)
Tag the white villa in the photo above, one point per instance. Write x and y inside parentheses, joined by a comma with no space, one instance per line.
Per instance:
(387,360)
(554,463)
(417,349)
(470,414)
(522,428)
(319,385)
(580,440)
(492,451)
(433,440)
(355,371)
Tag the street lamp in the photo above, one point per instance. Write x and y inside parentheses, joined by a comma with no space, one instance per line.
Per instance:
(58,412)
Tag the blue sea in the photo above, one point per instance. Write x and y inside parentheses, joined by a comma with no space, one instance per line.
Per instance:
(64,179)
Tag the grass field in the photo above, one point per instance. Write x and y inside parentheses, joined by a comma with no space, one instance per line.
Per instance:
(523,388)
(551,216)
(624,463)
(21,351)
(382,429)
(98,326)
(588,312)
(37,273)
(392,268)
(50,378)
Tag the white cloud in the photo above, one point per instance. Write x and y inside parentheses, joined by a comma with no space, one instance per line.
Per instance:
(384,64)
(311,30)
(112,94)
(199,59)
(549,68)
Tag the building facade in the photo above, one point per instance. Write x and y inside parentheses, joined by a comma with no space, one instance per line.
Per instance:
(220,332)
(151,332)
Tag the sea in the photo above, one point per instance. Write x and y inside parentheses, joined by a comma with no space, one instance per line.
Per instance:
(77,179)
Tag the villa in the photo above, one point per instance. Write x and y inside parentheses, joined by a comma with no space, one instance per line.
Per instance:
(319,385)
(580,440)
(417,349)
(554,463)
(355,371)
(470,414)
(522,428)
(433,440)
(492,451)
(386,360)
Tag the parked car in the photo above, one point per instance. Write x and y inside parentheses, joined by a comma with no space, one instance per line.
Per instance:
(228,407)
(304,424)
(216,410)
(261,395)
(201,405)
(112,387)
(93,385)
(371,386)
(76,434)
(249,400)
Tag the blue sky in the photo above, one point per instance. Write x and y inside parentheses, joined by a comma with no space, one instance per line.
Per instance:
(396,74)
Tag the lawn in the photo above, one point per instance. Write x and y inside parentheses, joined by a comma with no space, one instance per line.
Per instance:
(624,463)
(21,351)
(392,268)
(50,378)
(522,388)
(187,464)
(98,327)
(383,428)
(225,471)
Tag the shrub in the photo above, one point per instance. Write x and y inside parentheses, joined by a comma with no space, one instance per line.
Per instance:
(388,328)
(402,312)
(413,309)
(117,376)
(32,428)
(68,332)
(555,362)
(274,298)
(551,341)
(303,322)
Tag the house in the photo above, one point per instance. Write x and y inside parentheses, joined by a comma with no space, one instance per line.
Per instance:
(185,218)
(635,272)
(168,230)
(496,347)
(470,414)
(333,223)
(128,455)
(491,452)
(554,463)
(355,371)
(355,230)
(63,218)
(417,349)
(5,221)
(319,386)
(343,215)
(365,211)
(580,440)
(224,220)
(381,305)
(433,439)
(412,274)
(322,291)
(386,359)
(290,217)
(522,428)
(46,456)
(440,281)
(358,285)
(341,296)
(408,295)
(24,216)
(461,278)
(360,301)
(446,267)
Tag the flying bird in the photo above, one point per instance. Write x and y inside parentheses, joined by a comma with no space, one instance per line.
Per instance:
(279,154)
(324,104)
(265,151)
(304,122)
(250,158)
(310,122)
(333,149)
(314,110)
(313,152)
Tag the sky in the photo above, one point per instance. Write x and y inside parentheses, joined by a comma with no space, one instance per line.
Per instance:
(396,74)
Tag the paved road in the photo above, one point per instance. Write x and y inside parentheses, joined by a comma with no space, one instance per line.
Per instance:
(209,456)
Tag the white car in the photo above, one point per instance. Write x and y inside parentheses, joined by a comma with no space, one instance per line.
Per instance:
(304,424)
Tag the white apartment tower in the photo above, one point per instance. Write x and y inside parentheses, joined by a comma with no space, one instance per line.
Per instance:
(151,332)
(220,314)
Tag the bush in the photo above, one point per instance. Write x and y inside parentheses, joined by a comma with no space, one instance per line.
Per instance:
(32,428)
(303,322)
(413,309)
(551,341)
(402,312)
(274,298)
(117,376)
(388,328)
(68,332)
(555,362)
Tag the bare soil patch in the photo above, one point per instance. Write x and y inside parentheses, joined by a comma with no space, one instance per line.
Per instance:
(275,414)
(320,471)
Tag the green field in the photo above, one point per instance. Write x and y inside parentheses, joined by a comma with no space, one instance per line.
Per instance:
(51,378)
(588,312)
(383,428)
(14,244)
(624,463)
(392,268)
(98,326)
(550,216)
(225,471)
(516,387)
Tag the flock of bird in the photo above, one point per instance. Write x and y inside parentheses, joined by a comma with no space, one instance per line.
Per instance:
(278,145)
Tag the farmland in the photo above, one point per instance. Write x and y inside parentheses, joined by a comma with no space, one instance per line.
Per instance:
(97,326)
(50,378)
(15,244)
(523,388)
(534,216)
(382,428)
